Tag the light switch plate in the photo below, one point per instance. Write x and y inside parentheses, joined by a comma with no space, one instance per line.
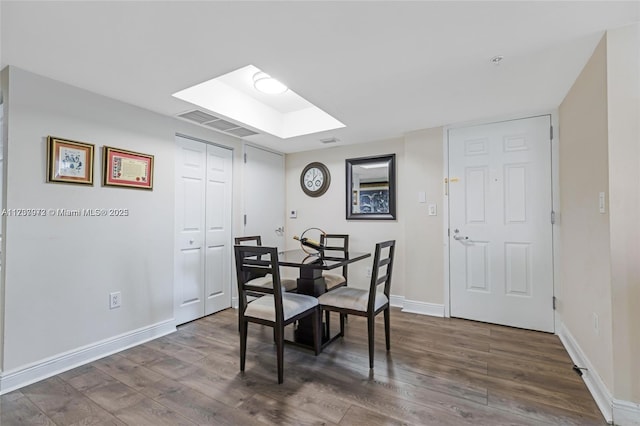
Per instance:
(293,214)
(433,210)
(601,203)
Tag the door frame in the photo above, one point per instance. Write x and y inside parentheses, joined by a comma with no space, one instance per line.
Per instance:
(555,198)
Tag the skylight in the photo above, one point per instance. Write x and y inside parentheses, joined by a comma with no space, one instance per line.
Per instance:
(234,96)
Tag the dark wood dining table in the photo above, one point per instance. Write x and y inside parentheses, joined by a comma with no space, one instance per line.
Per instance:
(311,282)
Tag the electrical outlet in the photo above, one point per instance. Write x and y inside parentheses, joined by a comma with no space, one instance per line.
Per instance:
(115,299)
(368,272)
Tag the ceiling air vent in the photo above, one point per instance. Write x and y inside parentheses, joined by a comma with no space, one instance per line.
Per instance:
(217,123)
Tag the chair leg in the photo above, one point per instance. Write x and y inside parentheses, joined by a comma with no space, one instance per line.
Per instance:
(342,318)
(279,334)
(387,328)
(243,343)
(317,330)
(327,316)
(371,326)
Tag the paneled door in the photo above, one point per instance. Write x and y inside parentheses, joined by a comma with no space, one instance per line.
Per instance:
(500,228)
(203,229)
(264,203)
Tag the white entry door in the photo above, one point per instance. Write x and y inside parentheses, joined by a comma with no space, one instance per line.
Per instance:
(264,201)
(203,229)
(500,223)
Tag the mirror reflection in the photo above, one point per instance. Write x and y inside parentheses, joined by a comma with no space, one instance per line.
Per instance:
(371,187)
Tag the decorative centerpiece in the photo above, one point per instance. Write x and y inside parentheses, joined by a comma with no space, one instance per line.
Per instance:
(309,245)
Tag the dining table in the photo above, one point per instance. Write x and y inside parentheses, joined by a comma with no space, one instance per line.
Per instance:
(311,282)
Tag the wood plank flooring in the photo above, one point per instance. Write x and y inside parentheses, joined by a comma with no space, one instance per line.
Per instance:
(440,371)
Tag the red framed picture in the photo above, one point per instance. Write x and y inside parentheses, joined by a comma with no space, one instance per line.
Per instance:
(69,161)
(127,168)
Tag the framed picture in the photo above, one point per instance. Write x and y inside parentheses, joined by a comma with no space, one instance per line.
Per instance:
(69,161)
(127,168)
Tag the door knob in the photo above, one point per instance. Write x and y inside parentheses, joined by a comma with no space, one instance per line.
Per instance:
(457,236)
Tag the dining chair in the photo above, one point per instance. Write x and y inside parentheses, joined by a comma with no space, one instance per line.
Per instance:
(366,303)
(336,246)
(289,284)
(275,308)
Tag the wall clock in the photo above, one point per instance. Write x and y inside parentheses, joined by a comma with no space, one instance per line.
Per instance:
(315,179)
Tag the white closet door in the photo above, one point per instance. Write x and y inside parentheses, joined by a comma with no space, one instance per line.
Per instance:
(202,282)
(218,230)
(264,199)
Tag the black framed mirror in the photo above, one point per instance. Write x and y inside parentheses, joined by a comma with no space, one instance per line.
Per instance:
(371,187)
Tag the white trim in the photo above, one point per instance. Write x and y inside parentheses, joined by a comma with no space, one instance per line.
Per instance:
(423,308)
(594,383)
(396,301)
(12,380)
(626,413)
(445,220)
(235,302)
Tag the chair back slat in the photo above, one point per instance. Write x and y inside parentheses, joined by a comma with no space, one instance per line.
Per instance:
(258,260)
(339,245)
(255,240)
(378,277)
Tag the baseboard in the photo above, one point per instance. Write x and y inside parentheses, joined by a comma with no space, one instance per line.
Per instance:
(596,386)
(626,413)
(423,308)
(15,379)
(396,301)
(234,302)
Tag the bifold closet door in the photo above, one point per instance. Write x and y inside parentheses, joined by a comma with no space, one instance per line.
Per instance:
(203,229)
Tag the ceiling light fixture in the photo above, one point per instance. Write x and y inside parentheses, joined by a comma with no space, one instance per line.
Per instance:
(264,83)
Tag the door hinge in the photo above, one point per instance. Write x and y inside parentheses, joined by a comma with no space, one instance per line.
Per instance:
(554,303)
(245,220)
(551,132)
(245,158)
(553,217)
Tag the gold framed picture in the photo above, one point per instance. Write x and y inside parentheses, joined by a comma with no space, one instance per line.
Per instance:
(127,168)
(69,161)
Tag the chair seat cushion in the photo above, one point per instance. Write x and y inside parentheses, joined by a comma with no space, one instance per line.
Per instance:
(288,284)
(292,305)
(351,298)
(333,280)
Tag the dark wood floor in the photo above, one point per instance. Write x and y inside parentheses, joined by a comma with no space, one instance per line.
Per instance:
(439,372)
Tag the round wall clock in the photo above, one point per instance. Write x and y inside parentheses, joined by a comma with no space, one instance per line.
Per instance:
(315,179)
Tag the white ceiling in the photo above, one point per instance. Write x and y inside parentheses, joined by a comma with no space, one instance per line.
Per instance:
(382,68)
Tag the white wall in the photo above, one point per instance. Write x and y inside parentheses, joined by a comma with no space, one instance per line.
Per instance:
(424,245)
(584,231)
(328,211)
(623,84)
(59,271)
(600,273)
(419,265)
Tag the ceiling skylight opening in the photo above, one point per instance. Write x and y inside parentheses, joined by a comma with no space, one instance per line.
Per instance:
(239,97)
(264,83)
